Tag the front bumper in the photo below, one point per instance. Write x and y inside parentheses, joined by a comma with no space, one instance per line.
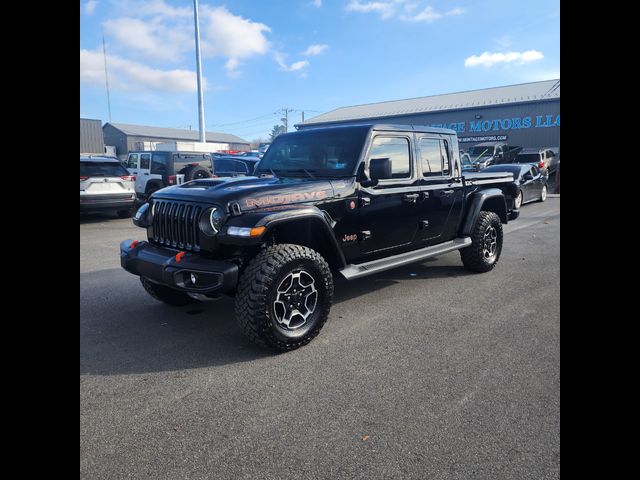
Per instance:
(513,214)
(159,265)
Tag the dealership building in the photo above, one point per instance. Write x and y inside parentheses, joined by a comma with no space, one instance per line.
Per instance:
(527,114)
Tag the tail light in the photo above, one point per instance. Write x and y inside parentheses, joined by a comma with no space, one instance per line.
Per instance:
(541,164)
(194,164)
(82,179)
(128,178)
(171,179)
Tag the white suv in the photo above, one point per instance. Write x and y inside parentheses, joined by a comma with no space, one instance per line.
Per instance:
(105,185)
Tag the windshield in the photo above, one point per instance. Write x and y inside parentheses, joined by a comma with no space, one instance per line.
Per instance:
(331,153)
(479,152)
(528,158)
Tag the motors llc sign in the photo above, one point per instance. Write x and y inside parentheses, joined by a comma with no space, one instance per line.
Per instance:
(502,124)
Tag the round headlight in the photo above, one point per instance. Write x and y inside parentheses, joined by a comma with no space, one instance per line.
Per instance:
(211,221)
(141,211)
(215,219)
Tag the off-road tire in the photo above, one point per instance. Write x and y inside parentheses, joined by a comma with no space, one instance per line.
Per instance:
(473,257)
(257,290)
(191,173)
(124,213)
(166,294)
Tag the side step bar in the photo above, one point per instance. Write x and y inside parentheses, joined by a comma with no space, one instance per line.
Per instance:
(352,271)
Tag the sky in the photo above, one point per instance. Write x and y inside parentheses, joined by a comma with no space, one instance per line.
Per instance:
(262,56)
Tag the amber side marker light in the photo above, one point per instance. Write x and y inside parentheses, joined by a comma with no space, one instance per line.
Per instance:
(180,256)
(134,243)
(257,231)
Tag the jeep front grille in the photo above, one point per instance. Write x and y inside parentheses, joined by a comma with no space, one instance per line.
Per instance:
(175,224)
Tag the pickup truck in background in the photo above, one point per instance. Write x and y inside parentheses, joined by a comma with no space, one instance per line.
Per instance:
(346,201)
(492,153)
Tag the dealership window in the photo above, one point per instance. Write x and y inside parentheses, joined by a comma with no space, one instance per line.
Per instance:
(395,149)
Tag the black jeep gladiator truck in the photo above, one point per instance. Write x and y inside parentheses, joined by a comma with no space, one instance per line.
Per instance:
(344,200)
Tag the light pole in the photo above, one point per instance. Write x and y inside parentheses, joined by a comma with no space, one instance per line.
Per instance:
(199,72)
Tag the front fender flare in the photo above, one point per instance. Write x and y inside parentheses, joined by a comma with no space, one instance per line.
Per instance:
(271,220)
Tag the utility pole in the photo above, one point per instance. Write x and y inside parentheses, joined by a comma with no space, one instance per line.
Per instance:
(199,67)
(303,116)
(286,118)
(106,77)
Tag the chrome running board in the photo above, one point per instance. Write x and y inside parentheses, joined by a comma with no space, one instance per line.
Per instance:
(368,268)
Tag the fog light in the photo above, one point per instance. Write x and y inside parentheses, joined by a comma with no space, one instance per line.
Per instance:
(194,278)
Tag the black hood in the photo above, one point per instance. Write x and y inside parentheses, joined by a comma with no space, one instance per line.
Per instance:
(250,192)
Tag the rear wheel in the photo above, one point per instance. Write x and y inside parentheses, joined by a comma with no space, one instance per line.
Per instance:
(518,201)
(543,193)
(166,294)
(486,244)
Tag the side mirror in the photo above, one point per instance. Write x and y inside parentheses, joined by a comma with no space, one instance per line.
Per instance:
(380,168)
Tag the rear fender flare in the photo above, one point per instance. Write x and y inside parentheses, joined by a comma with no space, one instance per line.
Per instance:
(492,200)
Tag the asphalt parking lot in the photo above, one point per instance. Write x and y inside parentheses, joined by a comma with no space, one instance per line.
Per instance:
(426,371)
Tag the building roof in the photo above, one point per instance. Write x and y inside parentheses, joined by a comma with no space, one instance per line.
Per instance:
(175,133)
(487,97)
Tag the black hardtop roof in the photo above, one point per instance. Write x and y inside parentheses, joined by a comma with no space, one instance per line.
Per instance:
(385,127)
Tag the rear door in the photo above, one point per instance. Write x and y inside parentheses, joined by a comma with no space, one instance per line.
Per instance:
(441,189)
(388,214)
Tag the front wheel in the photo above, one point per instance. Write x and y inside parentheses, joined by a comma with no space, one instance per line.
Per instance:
(486,244)
(284,296)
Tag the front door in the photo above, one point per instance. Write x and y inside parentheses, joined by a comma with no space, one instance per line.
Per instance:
(132,163)
(441,190)
(388,211)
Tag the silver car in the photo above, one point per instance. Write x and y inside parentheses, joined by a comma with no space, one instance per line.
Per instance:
(106,186)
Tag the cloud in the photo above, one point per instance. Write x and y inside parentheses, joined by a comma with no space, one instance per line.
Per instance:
(90,7)
(127,75)
(427,15)
(455,11)
(385,9)
(390,9)
(316,3)
(154,30)
(231,36)
(154,39)
(300,66)
(315,49)
(489,59)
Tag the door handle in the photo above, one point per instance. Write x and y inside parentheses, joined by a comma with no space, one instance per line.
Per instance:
(410,197)
(447,192)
